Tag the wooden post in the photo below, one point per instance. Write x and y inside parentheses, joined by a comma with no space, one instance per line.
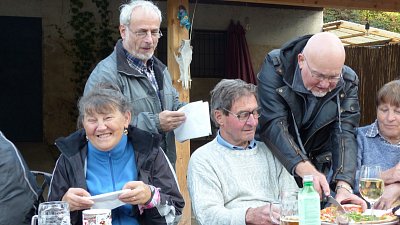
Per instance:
(176,34)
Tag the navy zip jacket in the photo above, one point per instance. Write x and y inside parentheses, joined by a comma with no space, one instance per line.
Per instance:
(152,166)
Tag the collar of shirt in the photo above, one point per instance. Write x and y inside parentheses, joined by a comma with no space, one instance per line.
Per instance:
(374,131)
(144,69)
(137,63)
(224,143)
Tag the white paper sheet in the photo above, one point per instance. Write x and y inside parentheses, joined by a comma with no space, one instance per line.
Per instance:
(197,123)
(107,200)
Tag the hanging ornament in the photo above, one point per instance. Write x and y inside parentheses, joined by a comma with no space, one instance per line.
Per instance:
(183,17)
(184,58)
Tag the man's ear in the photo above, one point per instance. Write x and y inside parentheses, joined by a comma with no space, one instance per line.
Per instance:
(218,115)
(122,31)
(300,60)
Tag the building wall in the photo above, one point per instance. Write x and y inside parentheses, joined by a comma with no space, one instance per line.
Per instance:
(269,28)
(57,87)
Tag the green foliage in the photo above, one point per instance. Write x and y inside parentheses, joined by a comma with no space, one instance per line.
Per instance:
(384,20)
(340,14)
(92,40)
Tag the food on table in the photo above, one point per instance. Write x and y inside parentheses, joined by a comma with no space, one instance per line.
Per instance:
(328,214)
(355,214)
(352,208)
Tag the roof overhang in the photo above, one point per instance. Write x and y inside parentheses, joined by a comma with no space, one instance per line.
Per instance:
(379,5)
(356,35)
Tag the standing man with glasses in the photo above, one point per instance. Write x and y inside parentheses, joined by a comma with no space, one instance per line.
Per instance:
(142,77)
(310,112)
(231,178)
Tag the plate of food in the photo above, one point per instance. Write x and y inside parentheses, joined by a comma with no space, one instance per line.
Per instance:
(356,216)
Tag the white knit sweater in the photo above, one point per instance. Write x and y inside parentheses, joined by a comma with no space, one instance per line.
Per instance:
(224,183)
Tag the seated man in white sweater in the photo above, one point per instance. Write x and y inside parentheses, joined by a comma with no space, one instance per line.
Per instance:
(231,178)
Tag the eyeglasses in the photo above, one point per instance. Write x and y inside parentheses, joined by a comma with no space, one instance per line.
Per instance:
(244,116)
(321,77)
(143,33)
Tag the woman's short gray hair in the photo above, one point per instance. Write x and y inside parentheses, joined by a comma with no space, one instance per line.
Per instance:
(103,98)
(226,92)
(127,9)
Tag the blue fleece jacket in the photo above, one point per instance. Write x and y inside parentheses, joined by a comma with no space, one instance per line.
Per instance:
(109,171)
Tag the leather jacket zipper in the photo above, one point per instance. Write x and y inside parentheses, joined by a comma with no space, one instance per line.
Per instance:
(286,131)
(335,94)
(341,167)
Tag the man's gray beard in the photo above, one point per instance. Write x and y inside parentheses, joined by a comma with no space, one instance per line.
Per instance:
(318,93)
(142,56)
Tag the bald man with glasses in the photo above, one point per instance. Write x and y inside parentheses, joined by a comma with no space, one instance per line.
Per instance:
(143,78)
(310,112)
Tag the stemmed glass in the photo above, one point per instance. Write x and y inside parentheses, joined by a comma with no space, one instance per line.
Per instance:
(371,184)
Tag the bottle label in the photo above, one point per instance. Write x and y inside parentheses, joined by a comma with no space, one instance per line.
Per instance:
(309,210)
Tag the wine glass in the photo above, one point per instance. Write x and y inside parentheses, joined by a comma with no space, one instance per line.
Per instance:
(371,184)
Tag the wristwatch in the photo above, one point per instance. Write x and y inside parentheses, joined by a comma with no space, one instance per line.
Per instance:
(346,187)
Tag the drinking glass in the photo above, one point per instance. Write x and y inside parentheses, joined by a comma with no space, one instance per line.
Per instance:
(52,213)
(287,207)
(371,185)
(275,212)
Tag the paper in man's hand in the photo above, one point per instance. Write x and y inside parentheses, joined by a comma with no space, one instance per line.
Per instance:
(197,123)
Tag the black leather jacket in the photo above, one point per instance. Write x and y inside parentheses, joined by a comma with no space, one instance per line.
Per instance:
(328,139)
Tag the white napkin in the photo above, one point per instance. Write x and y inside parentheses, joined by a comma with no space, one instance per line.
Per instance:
(107,200)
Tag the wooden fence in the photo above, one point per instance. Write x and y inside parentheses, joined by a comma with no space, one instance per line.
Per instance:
(375,66)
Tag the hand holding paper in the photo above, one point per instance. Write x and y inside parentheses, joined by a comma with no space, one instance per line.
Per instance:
(107,200)
(197,123)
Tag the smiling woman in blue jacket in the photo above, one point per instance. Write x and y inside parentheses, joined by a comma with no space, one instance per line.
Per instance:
(108,155)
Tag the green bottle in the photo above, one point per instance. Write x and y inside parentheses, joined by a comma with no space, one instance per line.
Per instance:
(309,203)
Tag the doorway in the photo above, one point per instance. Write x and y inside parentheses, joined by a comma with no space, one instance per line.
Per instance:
(21,78)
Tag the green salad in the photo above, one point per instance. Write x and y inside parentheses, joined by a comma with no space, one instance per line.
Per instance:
(357,217)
